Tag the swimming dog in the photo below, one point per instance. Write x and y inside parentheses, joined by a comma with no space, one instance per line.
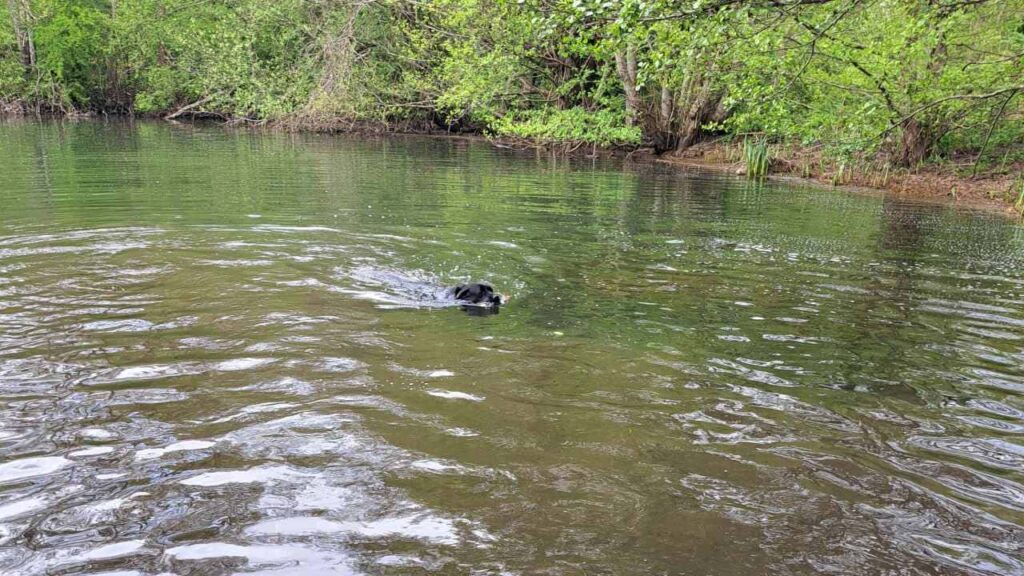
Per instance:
(478,293)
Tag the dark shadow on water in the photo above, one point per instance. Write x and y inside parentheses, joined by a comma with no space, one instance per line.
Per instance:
(473,310)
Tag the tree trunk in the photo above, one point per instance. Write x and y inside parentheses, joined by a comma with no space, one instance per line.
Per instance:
(625,65)
(916,143)
(660,126)
(21,16)
(700,105)
(667,109)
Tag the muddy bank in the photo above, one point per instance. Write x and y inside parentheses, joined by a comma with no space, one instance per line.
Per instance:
(935,182)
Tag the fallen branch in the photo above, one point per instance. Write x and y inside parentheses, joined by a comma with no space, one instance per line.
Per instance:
(188,107)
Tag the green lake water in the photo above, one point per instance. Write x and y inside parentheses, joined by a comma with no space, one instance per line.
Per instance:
(230,352)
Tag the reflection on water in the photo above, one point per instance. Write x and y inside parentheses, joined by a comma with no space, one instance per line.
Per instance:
(227,353)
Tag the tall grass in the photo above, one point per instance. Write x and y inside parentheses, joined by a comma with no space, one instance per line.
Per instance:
(840,174)
(756,157)
(1019,204)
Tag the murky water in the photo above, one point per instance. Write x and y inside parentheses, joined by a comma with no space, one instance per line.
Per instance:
(227,353)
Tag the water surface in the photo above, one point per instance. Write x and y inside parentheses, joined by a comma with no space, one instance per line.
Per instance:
(224,353)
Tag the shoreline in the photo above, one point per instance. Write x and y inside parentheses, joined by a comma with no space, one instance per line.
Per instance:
(930,183)
(973,202)
(933,183)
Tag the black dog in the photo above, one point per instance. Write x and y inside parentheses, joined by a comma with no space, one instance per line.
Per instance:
(479,294)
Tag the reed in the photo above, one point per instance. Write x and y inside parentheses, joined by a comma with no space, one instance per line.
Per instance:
(756,156)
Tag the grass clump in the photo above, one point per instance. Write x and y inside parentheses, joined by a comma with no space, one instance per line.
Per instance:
(756,157)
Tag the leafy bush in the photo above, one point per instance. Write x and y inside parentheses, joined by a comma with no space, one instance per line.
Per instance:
(900,81)
(602,127)
(71,43)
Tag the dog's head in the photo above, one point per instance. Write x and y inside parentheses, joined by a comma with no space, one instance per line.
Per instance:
(479,293)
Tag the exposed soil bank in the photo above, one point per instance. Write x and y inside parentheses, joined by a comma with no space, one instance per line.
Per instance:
(936,182)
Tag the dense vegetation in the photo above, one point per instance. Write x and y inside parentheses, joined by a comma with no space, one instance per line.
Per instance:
(905,80)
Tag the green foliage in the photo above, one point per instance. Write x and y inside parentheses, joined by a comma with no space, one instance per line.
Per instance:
(853,76)
(245,58)
(908,80)
(13,83)
(575,125)
(71,50)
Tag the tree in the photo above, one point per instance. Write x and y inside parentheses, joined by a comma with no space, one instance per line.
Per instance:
(21,18)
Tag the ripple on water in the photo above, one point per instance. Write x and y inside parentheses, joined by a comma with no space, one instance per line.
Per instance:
(237,364)
(31,468)
(183,446)
(114,550)
(993,452)
(277,559)
(20,507)
(125,325)
(416,527)
(695,374)
(950,534)
(995,407)
(93,451)
(258,475)
(454,395)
